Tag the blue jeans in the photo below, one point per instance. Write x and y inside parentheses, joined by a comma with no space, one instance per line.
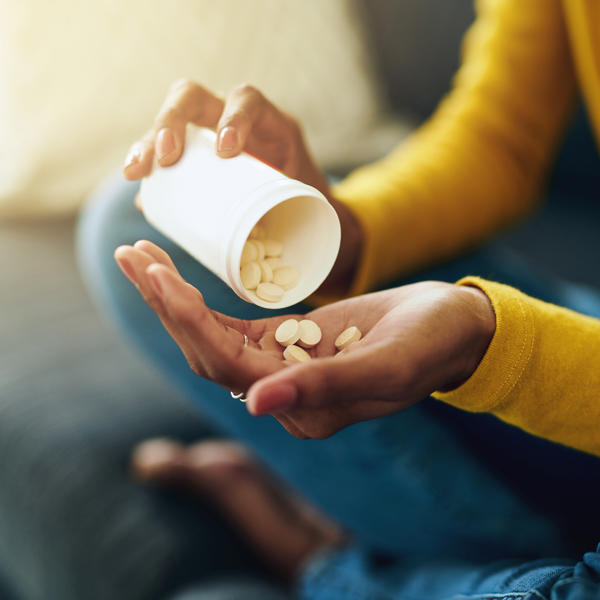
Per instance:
(441,503)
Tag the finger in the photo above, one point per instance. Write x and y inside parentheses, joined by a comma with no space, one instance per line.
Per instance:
(186,102)
(133,262)
(244,107)
(358,376)
(138,163)
(216,346)
(157,253)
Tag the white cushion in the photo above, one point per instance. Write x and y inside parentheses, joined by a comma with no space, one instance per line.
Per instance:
(80,81)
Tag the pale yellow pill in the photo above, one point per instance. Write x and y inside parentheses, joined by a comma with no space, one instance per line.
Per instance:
(286,277)
(273,262)
(249,253)
(269,292)
(260,247)
(295,354)
(258,232)
(272,248)
(347,337)
(266,273)
(250,275)
(288,332)
(310,333)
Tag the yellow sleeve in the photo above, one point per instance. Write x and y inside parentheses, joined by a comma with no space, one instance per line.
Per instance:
(541,371)
(479,162)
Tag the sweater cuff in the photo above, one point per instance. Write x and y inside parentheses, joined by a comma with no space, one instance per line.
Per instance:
(507,355)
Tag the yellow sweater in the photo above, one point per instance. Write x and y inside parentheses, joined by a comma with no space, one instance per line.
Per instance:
(476,165)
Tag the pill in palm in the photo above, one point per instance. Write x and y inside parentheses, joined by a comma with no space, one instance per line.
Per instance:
(269,292)
(286,277)
(296,354)
(310,333)
(266,273)
(249,253)
(250,274)
(288,332)
(273,248)
(347,337)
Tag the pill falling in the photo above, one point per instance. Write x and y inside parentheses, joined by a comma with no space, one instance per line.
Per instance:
(269,292)
(310,333)
(288,332)
(286,277)
(347,337)
(296,354)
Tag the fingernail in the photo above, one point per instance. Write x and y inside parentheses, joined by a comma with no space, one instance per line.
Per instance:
(133,157)
(127,269)
(275,398)
(165,143)
(228,139)
(155,283)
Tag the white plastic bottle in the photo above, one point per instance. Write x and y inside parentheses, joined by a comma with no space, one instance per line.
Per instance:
(208,205)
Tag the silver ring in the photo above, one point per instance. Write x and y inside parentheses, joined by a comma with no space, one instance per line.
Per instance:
(242,395)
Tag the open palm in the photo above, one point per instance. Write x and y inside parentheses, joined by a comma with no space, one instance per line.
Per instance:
(416,339)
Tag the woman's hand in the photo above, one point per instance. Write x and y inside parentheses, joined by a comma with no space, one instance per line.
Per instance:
(416,339)
(246,120)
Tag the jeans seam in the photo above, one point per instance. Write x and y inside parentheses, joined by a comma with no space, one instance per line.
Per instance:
(502,596)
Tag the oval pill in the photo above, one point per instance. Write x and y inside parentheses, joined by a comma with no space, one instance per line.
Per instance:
(310,333)
(249,253)
(296,354)
(269,292)
(266,273)
(250,275)
(347,337)
(260,247)
(288,332)
(273,248)
(286,277)
(274,262)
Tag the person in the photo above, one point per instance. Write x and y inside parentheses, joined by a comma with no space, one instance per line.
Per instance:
(466,494)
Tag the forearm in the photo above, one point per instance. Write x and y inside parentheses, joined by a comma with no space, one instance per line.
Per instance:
(480,161)
(540,371)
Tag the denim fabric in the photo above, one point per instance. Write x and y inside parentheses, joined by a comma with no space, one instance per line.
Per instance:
(432,483)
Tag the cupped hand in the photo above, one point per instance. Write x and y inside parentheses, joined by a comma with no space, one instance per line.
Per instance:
(245,120)
(415,339)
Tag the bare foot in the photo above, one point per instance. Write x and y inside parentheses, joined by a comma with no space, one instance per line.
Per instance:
(284,529)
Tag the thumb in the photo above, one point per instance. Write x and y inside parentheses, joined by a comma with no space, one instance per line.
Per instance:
(319,382)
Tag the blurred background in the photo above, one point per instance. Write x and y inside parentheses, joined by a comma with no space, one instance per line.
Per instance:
(79,82)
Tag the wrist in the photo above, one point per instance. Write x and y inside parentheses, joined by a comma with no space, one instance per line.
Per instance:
(483,322)
(479,326)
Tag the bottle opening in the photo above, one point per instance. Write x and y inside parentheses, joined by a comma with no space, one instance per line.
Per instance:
(309,230)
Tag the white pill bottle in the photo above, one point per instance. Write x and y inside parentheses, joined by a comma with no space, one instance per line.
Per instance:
(208,205)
